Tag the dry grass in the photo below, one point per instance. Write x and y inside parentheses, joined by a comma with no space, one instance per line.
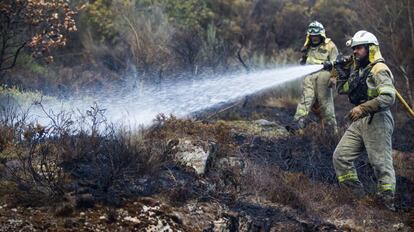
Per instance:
(42,161)
(279,102)
(167,128)
(294,171)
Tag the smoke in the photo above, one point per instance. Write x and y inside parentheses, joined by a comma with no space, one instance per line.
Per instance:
(179,98)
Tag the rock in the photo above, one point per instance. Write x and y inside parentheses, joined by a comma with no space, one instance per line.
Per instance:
(82,214)
(245,223)
(14,210)
(145,208)
(220,225)
(347,224)
(398,226)
(265,123)
(193,154)
(235,163)
(132,219)
(162,225)
(226,223)
(122,213)
(271,128)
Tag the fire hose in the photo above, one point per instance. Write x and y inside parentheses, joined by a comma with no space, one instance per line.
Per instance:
(405,104)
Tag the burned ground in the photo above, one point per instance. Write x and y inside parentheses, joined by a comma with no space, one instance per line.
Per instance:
(280,182)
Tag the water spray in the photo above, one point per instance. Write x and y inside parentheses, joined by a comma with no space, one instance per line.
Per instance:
(183,98)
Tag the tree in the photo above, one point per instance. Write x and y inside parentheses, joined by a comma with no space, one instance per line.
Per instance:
(339,19)
(388,21)
(100,15)
(147,34)
(190,14)
(38,25)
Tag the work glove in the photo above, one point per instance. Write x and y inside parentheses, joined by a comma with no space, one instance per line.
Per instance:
(365,109)
(356,113)
(327,65)
(332,82)
(304,51)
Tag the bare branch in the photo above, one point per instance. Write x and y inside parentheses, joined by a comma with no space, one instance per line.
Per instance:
(16,54)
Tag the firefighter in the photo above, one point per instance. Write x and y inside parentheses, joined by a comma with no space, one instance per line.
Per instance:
(317,87)
(369,86)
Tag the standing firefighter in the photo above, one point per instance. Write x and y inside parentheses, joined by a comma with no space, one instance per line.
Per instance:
(317,89)
(369,85)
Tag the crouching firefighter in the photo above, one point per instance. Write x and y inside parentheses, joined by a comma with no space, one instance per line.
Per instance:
(317,90)
(369,85)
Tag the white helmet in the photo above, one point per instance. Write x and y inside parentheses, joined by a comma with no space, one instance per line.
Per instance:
(315,28)
(362,37)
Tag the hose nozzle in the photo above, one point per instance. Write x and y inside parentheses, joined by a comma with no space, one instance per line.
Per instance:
(340,61)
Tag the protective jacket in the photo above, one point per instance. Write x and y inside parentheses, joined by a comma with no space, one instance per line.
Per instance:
(316,87)
(372,89)
(326,51)
(371,86)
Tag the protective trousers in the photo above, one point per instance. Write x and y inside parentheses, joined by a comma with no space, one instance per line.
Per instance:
(376,137)
(316,88)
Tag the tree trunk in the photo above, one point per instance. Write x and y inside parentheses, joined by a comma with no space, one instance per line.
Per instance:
(410,20)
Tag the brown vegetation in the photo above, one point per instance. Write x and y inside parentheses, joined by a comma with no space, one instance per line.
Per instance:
(38,25)
(73,168)
(142,41)
(78,163)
